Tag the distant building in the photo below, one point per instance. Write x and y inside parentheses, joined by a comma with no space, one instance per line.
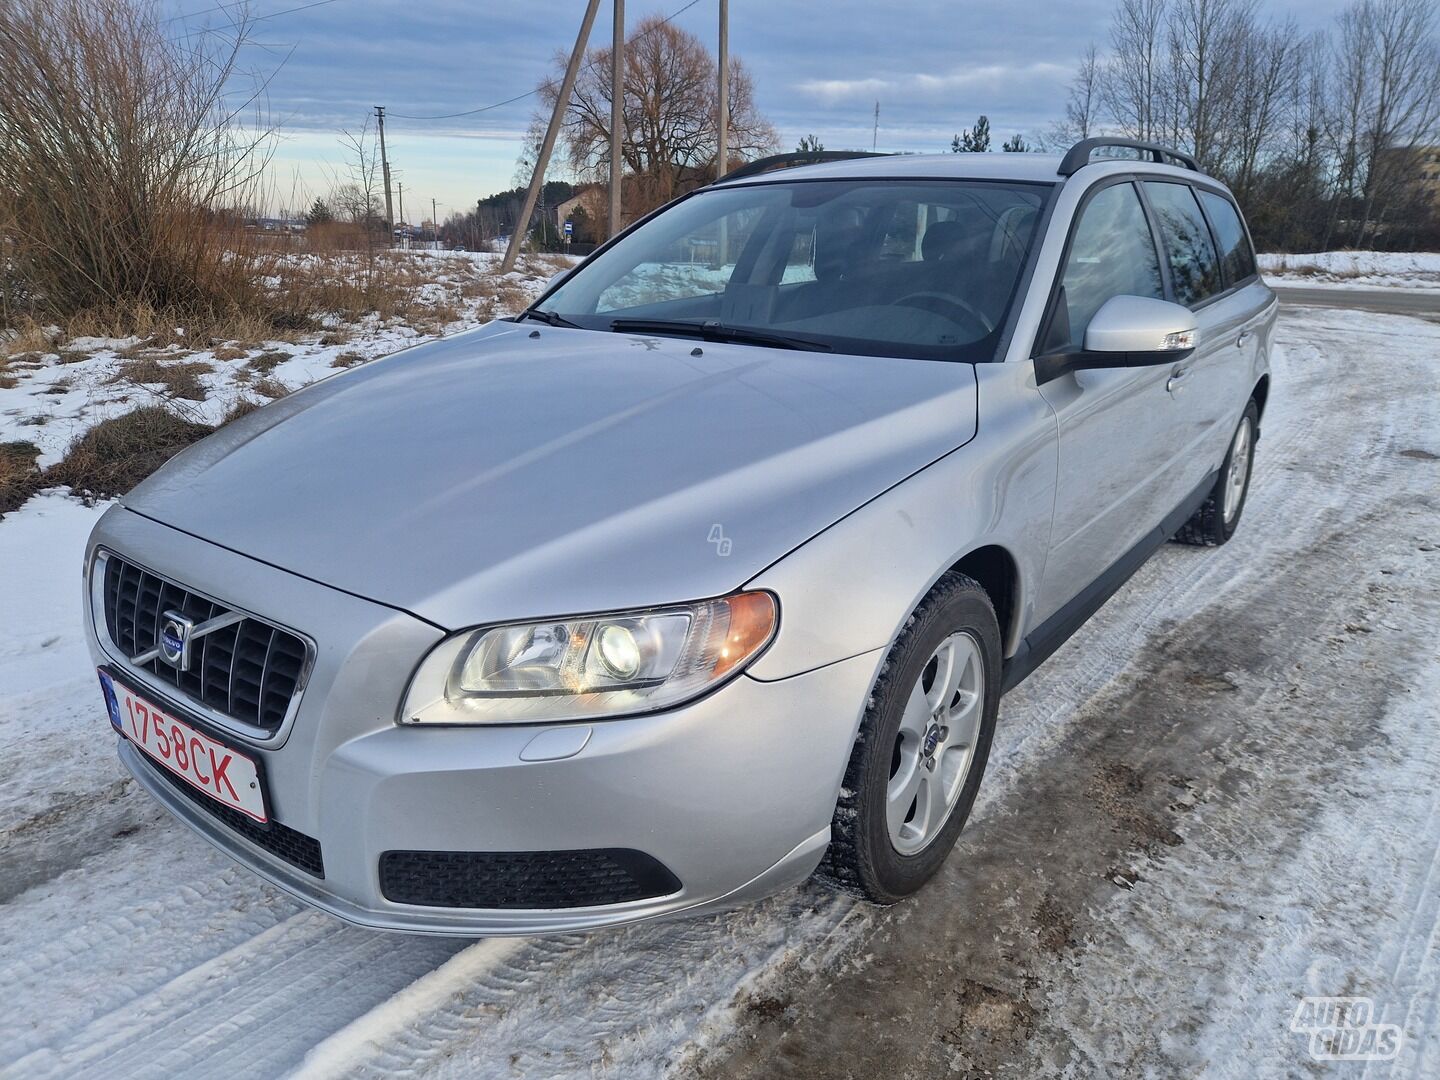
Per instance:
(1420,164)
(590,198)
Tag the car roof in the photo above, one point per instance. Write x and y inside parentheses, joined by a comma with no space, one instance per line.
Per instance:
(1031,168)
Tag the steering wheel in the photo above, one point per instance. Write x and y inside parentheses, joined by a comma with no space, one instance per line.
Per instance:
(947,307)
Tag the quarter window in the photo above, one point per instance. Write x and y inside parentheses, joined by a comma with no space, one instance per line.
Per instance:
(1111,254)
(1236,255)
(1194,266)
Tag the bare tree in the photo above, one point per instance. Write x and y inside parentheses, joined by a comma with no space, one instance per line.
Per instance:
(1388,64)
(670,113)
(1208,49)
(1268,72)
(1082,104)
(1134,78)
(358,197)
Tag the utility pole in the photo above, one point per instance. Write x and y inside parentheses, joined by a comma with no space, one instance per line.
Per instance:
(723,158)
(479,204)
(617,113)
(875,134)
(434,225)
(562,103)
(402,214)
(385,168)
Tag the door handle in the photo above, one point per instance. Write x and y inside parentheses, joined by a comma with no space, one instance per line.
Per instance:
(1172,384)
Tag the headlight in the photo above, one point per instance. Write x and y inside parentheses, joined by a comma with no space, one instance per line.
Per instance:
(591,667)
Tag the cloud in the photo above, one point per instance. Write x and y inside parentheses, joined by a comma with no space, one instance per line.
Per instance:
(923,87)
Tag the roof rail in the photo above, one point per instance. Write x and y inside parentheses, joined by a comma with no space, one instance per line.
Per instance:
(788,161)
(1078,156)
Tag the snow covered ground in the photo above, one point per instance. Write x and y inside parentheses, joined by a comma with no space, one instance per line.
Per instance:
(59,393)
(1218,798)
(1355,269)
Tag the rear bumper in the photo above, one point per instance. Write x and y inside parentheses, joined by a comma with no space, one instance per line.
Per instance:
(732,794)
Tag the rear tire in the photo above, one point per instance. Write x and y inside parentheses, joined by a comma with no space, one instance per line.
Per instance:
(926,733)
(1219,515)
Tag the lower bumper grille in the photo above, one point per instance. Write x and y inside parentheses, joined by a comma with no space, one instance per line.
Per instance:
(283,842)
(523,879)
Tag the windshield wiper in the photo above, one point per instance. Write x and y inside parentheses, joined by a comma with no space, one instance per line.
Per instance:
(549,318)
(711,330)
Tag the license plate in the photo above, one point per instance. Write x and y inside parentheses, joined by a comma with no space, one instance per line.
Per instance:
(226,775)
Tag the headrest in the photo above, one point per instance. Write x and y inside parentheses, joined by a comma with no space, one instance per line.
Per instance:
(835,248)
(942,238)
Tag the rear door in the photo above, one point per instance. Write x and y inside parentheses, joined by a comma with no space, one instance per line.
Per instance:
(1117,445)
(1209,389)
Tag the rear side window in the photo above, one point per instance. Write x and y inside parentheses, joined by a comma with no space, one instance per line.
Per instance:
(1194,266)
(1111,254)
(1236,255)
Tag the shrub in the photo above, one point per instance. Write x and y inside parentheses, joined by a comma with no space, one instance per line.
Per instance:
(19,476)
(121,165)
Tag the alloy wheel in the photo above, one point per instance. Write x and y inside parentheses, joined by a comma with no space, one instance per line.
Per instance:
(935,745)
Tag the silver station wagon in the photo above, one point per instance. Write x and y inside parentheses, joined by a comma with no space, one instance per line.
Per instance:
(707,572)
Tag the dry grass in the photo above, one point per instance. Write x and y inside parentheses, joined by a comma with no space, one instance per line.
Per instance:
(179,380)
(271,388)
(19,476)
(348,359)
(267,362)
(243,407)
(115,455)
(26,336)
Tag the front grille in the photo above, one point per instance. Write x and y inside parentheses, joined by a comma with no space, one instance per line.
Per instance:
(249,671)
(280,840)
(523,879)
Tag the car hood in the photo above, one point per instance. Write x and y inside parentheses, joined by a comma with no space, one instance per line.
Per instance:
(501,475)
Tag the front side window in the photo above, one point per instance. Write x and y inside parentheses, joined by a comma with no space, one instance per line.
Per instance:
(1112,254)
(1236,256)
(1194,266)
(924,269)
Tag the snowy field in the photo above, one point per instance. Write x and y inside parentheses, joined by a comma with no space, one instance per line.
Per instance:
(1355,269)
(51,397)
(1218,798)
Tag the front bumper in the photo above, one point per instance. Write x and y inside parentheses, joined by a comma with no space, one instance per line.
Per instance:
(732,793)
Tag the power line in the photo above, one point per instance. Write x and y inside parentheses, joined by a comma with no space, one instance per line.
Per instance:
(530,93)
(240,3)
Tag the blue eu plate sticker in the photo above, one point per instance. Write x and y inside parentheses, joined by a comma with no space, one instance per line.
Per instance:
(111,704)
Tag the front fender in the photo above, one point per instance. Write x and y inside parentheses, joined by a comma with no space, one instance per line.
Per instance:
(851,588)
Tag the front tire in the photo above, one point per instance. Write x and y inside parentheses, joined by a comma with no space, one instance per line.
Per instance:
(1219,515)
(922,747)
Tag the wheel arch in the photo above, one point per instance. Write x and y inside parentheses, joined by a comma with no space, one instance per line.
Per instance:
(1261,393)
(994,568)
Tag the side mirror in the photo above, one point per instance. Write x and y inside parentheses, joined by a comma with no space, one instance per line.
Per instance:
(1127,331)
(554,280)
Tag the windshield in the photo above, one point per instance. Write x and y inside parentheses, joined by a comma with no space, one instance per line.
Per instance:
(922,269)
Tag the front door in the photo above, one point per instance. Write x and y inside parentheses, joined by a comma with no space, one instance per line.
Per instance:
(1118,453)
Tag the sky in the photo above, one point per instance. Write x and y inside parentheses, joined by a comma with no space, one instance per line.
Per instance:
(818,67)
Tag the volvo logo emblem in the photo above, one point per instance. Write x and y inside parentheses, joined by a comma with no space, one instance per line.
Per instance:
(175,643)
(176,633)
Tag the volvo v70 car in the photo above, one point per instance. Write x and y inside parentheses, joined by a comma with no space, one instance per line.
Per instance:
(708,571)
